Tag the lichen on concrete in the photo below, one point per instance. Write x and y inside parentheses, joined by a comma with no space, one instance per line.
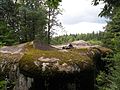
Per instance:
(37,61)
(23,63)
(74,60)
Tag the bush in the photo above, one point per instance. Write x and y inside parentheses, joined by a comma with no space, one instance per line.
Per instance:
(95,42)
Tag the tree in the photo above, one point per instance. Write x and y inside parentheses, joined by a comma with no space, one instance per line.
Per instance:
(8,10)
(113,30)
(52,13)
(108,7)
(54,3)
(24,20)
(33,20)
(112,40)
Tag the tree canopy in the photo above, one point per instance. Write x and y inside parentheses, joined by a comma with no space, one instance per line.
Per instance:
(26,20)
(108,7)
(111,39)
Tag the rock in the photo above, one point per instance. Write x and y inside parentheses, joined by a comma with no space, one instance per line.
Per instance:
(70,46)
(76,44)
(42,46)
(81,43)
(24,62)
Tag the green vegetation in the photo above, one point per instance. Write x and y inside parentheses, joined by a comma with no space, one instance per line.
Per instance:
(95,42)
(2,84)
(73,56)
(107,79)
(27,20)
(111,39)
(93,38)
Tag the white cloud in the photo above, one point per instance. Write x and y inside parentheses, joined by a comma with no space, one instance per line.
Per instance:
(84,27)
(79,16)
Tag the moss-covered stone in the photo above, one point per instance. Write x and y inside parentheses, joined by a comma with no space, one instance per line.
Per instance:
(23,64)
(40,62)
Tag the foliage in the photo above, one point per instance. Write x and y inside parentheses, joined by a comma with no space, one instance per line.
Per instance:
(95,42)
(39,17)
(2,84)
(53,22)
(109,7)
(26,20)
(102,80)
(105,76)
(33,19)
(112,33)
(110,80)
(54,3)
(111,39)
(91,37)
(7,21)
(116,72)
(6,37)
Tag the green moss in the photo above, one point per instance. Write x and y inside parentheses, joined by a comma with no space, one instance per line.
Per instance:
(80,50)
(76,55)
(95,42)
(72,57)
(30,62)
(9,57)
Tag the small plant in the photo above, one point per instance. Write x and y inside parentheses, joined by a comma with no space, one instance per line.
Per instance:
(2,84)
(95,42)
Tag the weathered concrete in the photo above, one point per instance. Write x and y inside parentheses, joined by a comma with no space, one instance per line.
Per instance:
(32,69)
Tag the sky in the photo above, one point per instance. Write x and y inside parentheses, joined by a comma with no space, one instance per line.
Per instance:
(79,16)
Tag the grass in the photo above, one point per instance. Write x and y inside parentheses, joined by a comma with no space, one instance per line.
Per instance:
(95,42)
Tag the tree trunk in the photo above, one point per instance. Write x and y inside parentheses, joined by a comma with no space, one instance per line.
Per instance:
(49,26)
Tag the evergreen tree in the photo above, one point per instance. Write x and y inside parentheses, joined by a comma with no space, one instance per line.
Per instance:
(113,31)
(111,10)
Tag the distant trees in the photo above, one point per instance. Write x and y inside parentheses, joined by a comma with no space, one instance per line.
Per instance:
(73,37)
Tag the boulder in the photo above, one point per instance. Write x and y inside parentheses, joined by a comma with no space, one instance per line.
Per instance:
(25,64)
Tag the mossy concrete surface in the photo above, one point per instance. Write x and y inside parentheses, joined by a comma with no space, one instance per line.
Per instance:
(34,62)
(24,67)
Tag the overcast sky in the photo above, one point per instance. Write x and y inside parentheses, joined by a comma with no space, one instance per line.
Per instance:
(79,16)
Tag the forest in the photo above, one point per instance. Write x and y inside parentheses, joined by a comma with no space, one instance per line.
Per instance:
(93,38)
(23,21)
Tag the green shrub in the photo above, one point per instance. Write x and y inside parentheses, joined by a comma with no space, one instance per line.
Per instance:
(95,42)
(2,84)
